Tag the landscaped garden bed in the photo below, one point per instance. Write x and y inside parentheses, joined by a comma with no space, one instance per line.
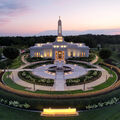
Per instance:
(89,77)
(29,77)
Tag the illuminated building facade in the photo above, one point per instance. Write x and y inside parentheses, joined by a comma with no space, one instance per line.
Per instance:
(59,50)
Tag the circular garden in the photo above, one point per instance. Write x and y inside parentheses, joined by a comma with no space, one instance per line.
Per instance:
(102,95)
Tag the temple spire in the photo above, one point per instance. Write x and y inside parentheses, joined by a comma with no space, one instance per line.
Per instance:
(59,27)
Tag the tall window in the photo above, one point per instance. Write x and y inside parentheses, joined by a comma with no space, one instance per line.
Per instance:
(71,54)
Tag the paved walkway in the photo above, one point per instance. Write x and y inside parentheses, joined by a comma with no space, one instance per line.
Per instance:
(24,60)
(27,85)
(59,78)
(59,81)
(95,60)
(89,86)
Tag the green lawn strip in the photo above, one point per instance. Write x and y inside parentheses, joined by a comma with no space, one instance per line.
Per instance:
(9,82)
(16,63)
(109,82)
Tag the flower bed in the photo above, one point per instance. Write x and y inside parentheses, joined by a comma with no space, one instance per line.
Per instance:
(89,77)
(29,77)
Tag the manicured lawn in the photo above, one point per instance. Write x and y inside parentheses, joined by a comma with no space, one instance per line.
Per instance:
(11,64)
(16,63)
(10,83)
(109,82)
(109,113)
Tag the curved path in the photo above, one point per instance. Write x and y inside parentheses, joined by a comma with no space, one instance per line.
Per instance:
(95,60)
(60,80)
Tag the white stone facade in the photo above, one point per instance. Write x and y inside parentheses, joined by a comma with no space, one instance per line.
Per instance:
(59,50)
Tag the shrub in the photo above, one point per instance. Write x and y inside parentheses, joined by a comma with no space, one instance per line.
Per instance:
(89,77)
(29,77)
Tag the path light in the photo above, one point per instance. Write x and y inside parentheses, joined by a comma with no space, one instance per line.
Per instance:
(84,83)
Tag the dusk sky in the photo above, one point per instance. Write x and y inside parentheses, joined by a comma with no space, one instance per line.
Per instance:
(30,17)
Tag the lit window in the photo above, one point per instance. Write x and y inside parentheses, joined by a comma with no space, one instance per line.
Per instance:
(80,44)
(59,39)
(41,56)
(39,45)
(37,54)
(84,54)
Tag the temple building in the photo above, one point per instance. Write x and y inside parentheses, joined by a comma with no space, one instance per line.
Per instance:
(59,50)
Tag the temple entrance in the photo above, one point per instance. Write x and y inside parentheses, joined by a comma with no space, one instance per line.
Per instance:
(59,55)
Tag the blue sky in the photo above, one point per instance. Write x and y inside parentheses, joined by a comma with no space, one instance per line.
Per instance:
(30,17)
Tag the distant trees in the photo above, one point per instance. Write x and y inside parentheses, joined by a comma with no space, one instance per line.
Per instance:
(105,53)
(91,40)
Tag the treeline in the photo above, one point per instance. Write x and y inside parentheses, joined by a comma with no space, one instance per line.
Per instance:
(90,40)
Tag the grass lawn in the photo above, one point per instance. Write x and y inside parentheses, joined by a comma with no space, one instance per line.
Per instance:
(109,82)
(9,82)
(108,113)
(16,63)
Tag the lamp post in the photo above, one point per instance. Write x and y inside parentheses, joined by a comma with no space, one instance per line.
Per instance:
(84,84)
(34,84)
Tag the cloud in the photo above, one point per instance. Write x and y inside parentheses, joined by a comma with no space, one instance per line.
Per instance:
(11,8)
